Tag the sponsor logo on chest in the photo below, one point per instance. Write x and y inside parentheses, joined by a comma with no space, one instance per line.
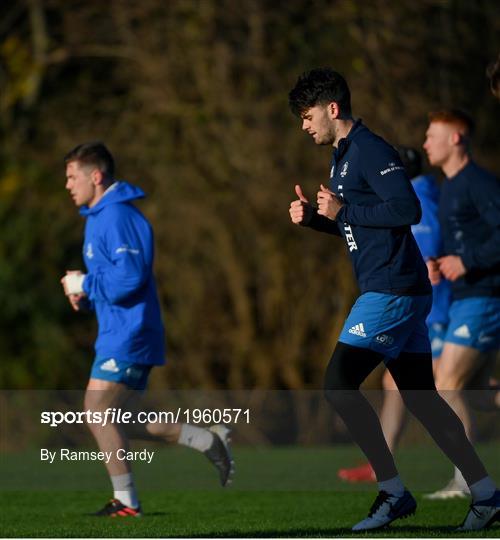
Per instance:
(391,167)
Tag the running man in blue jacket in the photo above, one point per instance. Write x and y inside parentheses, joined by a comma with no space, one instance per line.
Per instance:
(371,204)
(119,285)
(469,213)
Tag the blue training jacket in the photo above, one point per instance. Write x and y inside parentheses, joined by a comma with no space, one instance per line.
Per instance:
(118,251)
(427,233)
(380,205)
(469,212)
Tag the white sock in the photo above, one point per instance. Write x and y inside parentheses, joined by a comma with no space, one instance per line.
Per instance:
(393,486)
(124,490)
(460,480)
(483,489)
(195,437)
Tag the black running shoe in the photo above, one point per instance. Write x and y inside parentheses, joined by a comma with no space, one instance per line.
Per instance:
(115,508)
(482,514)
(386,509)
(220,453)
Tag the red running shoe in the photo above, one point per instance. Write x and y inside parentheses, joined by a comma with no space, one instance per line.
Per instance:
(363,473)
(116,508)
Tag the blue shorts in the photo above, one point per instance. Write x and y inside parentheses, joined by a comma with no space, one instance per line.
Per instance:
(475,323)
(437,333)
(135,376)
(388,324)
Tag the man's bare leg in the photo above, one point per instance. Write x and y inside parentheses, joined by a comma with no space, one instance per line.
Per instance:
(102,394)
(393,412)
(456,368)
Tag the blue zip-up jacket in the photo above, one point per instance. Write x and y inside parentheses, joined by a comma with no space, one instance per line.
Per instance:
(380,205)
(427,233)
(118,252)
(469,212)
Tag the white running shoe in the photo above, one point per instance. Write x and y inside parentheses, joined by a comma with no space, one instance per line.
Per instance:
(220,453)
(452,490)
(386,509)
(482,514)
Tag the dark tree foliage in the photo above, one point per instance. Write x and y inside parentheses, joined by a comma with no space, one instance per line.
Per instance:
(191,96)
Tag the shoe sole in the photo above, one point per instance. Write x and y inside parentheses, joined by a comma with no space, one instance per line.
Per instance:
(452,490)
(116,515)
(446,495)
(223,432)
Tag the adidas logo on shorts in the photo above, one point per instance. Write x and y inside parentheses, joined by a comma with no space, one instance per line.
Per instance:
(358,330)
(110,365)
(462,331)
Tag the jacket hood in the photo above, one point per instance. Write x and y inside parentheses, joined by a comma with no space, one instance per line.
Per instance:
(119,192)
(426,186)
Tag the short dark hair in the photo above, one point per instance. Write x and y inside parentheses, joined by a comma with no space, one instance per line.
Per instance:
(412,160)
(93,153)
(319,86)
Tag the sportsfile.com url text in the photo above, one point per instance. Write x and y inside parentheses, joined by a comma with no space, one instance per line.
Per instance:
(114,415)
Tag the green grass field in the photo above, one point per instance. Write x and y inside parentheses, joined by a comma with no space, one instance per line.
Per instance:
(278,492)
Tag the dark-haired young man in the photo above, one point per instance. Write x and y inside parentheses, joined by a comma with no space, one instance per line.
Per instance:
(119,285)
(371,204)
(469,212)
